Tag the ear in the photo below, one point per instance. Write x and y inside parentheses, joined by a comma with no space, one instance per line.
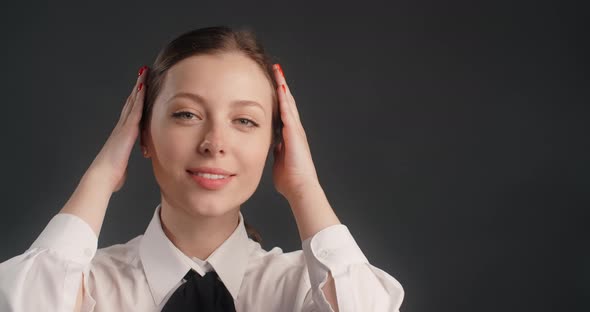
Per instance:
(145,141)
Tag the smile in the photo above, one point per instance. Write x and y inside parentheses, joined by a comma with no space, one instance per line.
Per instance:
(211,176)
(210,181)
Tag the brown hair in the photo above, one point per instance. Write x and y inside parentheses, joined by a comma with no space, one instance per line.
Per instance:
(211,40)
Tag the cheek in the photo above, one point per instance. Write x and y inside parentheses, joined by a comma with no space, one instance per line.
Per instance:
(251,149)
(253,157)
(170,147)
(252,164)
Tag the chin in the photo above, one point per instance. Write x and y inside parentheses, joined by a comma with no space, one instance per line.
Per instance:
(211,207)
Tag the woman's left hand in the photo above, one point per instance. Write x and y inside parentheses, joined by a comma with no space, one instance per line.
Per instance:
(295,177)
(293,168)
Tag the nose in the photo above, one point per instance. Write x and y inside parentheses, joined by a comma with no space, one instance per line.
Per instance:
(212,143)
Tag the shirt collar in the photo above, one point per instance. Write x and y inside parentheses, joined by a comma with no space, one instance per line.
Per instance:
(164,265)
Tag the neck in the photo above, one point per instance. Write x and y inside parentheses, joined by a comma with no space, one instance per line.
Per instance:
(196,235)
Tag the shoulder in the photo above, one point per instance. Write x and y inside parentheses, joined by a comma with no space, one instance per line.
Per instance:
(275,261)
(110,262)
(125,252)
(119,267)
(275,255)
(282,274)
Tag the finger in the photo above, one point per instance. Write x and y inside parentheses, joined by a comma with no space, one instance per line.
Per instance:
(289,120)
(286,114)
(140,81)
(129,101)
(288,107)
(281,80)
(292,104)
(282,91)
(125,109)
(137,109)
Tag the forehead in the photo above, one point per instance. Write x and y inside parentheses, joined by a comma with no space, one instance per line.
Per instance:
(220,79)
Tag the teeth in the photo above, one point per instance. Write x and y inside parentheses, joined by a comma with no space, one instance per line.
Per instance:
(211,176)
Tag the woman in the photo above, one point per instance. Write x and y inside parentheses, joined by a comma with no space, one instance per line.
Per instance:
(208,113)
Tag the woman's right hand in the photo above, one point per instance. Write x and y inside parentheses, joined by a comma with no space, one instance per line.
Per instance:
(111,162)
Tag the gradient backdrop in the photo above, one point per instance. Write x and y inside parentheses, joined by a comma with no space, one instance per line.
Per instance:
(451,138)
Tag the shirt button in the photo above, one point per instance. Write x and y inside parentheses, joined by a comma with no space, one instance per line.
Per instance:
(324,253)
(88,252)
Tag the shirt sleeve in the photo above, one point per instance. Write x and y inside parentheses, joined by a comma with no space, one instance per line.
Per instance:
(360,286)
(46,277)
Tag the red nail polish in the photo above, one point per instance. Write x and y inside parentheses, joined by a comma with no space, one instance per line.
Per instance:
(141,70)
(140,86)
(284,89)
(280,70)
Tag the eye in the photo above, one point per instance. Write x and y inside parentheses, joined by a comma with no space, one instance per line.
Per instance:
(247,122)
(182,115)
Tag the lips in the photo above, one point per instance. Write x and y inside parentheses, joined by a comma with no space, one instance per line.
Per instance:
(211,181)
(210,170)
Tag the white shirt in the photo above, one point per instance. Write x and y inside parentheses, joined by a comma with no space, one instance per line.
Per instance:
(142,274)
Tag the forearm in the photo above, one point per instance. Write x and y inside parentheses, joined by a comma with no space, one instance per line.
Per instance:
(312,211)
(90,200)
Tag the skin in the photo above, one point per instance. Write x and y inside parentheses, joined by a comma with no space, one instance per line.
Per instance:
(197,220)
(214,132)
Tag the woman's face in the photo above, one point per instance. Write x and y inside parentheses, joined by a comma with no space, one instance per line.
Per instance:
(212,111)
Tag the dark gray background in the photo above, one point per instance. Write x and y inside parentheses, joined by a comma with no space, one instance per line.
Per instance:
(451,138)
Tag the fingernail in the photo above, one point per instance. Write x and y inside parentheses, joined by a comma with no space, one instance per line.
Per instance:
(140,86)
(284,88)
(141,70)
(280,69)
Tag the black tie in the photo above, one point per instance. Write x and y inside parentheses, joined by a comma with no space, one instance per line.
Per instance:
(200,293)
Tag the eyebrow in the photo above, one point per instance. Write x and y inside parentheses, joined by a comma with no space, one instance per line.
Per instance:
(199,99)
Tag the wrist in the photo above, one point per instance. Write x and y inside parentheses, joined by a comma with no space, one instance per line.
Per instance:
(312,210)
(306,190)
(98,179)
(90,199)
